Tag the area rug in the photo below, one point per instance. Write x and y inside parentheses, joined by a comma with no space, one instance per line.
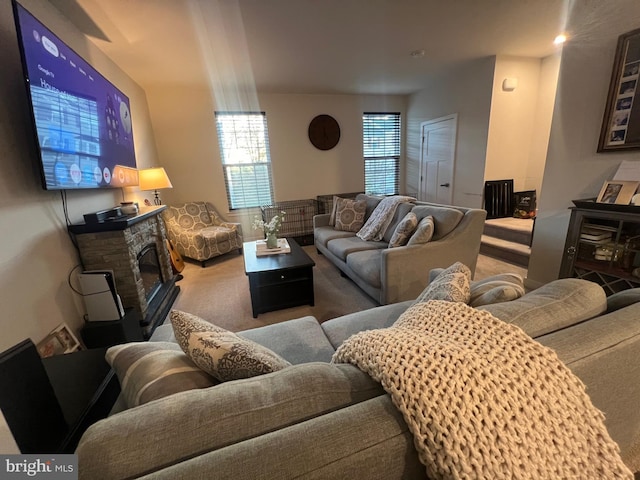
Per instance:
(219,293)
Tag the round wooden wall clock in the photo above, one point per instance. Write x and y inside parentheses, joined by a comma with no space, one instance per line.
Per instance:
(324,132)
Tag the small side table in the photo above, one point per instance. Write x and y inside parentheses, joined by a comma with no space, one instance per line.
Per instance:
(106,334)
(48,403)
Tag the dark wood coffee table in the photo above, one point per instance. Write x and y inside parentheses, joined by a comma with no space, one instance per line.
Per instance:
(278,281)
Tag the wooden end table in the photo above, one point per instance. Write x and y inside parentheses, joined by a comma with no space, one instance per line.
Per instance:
(278,281)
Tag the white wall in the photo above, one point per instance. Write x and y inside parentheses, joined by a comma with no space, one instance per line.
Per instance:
(549,68)
(573,169)
(521,120)
(467,92)
(37,255)
(184,124)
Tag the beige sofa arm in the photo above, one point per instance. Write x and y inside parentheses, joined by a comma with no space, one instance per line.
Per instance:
(233,226)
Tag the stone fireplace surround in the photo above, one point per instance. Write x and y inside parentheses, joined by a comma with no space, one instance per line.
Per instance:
(115,245)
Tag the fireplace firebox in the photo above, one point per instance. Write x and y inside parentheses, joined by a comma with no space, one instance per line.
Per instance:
(150,271)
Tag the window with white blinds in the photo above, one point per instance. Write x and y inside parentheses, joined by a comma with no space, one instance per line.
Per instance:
(244,146)
(381,146)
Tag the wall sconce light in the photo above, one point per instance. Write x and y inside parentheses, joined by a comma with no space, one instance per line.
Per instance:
(509,84)
(154,179)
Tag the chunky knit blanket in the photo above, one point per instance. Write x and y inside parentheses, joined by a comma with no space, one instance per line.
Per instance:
(381,217)
(484,400)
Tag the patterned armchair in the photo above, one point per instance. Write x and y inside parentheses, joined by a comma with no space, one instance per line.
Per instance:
(197,231)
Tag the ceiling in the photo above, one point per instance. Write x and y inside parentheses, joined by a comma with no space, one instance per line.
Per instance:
(310,46)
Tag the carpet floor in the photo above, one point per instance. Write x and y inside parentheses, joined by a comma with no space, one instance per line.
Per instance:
(219,293)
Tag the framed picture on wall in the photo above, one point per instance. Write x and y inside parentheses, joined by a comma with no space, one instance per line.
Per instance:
(619,192)
(621,122)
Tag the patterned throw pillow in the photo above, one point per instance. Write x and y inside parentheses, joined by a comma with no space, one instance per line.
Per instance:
(403,231)
(222,353)
(151,370)
(451,285)
(423,232)
(350,214)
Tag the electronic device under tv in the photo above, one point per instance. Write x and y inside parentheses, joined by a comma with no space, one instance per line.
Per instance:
(81,120)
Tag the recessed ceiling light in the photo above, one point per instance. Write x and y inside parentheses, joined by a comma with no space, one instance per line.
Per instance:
(417,53)
(560,39)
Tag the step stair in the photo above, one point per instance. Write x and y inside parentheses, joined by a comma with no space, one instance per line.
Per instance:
(508,239)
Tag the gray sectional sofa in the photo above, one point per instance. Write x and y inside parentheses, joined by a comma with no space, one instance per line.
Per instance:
(317,420)
(391,275)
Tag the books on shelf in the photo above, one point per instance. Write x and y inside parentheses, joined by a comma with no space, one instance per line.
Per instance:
(593,235)
(261,247)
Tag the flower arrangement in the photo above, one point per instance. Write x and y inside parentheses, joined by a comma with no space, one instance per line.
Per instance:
(270,229)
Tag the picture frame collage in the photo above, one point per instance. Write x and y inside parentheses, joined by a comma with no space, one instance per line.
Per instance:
(621,122)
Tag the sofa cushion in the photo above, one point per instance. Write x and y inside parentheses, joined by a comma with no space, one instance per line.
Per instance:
(623,299)
(342,247)
(339,329)
(350,214)
(221,353)
(445,219)
(424,231)
(404,230)
(194,423)
(298,341)
(398,216)
(451,285)
(322,235)
(366,265)
(151,370)
(372,202)
(554,306)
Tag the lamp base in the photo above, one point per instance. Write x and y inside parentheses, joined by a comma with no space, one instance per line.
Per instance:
(156,199)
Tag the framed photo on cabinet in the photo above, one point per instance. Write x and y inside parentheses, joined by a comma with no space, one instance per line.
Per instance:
(619,192)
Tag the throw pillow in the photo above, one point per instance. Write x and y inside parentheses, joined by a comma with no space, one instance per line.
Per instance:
(184,324)
(451,285)
(332,217)
(424,231)
(221,353)
(404,230)
(495,289)
(350,214)
(151,370)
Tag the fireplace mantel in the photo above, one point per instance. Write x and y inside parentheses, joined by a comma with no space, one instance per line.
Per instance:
(121,223)
(115,245)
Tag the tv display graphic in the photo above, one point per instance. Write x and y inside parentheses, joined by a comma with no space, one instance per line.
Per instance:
(82,121)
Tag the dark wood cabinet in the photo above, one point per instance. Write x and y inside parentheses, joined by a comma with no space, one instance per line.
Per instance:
(603,245)
(48,403)
(114,332)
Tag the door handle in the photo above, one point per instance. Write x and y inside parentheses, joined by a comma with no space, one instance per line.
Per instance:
(445,185)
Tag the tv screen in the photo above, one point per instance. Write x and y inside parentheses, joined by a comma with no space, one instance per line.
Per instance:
(82,121)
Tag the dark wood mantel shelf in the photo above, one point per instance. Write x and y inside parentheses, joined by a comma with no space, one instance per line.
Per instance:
(120,223)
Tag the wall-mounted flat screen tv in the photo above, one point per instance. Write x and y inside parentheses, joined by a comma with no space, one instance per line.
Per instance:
(82,121)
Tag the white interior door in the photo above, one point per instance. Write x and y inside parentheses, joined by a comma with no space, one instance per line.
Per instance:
(437,159)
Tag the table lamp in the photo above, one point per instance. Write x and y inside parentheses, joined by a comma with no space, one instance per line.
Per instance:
(154,179)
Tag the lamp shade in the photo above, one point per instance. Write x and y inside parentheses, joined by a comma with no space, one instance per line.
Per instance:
(154,179)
